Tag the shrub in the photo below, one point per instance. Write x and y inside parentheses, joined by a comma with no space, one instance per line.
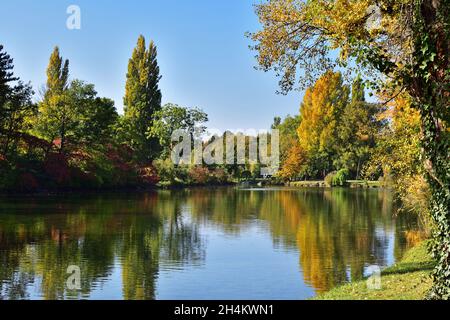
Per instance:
(341,177)
(199,175)
(148,175)
(170,174)
(220,176)
(330,178)
(165,169)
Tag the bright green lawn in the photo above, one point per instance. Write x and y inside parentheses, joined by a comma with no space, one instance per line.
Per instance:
(407,280)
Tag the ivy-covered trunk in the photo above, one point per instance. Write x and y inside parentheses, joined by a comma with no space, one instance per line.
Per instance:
(431,90)
(436,158)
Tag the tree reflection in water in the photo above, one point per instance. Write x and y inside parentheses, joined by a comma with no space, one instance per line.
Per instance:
(337,233)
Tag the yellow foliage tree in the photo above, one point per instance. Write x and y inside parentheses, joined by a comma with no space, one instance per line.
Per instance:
(293,164)
(320,111)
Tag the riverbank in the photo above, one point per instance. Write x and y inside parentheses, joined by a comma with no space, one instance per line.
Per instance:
(409,279)
(175,186)
(323,184)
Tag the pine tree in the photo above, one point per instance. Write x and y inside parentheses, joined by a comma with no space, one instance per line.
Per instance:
(142,99)
(6,76)
(15,104)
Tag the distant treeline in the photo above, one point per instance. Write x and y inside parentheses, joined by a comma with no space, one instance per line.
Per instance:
(74,139)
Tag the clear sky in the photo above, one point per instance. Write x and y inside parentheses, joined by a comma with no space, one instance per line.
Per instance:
(202,52)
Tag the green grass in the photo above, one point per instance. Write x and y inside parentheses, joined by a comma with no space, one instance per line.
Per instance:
(407,280)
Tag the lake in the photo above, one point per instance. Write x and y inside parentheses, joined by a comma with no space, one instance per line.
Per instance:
(202,243)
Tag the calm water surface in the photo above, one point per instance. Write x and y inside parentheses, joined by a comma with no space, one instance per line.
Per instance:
(224,243)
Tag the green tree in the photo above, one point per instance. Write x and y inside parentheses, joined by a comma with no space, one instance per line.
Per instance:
(73,113)
(56,114)
(357,130)
(406,41)
(276,122)
(6,75)
(15,104)
(173,117)
(142,99)
(288,133)
(57,75)
(94,117)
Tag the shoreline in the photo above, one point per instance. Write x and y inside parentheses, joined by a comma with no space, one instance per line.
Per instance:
(408,279)
(351,184)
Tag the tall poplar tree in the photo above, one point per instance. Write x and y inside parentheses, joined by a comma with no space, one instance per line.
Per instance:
(55,113)
(142,99)
(320,112)
(57,74)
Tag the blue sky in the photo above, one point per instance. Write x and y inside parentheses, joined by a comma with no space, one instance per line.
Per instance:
(202,52)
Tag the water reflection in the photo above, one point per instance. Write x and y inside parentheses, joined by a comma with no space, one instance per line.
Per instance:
(336,234)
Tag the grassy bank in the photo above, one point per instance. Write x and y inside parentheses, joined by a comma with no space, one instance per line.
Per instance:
(407,280)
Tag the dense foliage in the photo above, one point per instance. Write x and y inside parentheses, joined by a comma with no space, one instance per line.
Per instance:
(406,42)
(74,139)
(142,99)
(334,131)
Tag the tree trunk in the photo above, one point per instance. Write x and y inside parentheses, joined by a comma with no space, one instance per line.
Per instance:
(63,138)
(432,98)
(436,155)
(358,168)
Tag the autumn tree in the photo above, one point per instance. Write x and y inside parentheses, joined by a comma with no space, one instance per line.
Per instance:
(406,41)
(142,99)
(397,156)
(320,112)
(293,165)
(291,158)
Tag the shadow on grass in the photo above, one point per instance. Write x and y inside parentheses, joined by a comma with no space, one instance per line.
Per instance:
(405,267)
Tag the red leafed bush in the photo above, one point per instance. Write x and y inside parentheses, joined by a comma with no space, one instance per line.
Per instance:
(148,175)
(27,182)
(199,175)
(57,168)
(120,157)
